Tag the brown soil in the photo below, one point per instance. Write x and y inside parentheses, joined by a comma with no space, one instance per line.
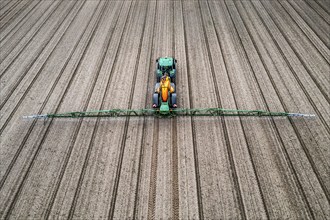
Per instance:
(84,55)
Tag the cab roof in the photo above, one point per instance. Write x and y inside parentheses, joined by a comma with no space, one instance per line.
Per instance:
(165,61)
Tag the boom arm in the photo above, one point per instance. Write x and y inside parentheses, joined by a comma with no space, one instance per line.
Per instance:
(171,113)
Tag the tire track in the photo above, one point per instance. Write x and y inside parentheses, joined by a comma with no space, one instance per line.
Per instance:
(153,172)
(175,158)
(21,22)
(26,175)
(198,181)
(123,142)
(10,20)
(36,76)
(223,122)
(91,143)
(273,124)
(326,126)
(28,42)
(304,147)
(144,134)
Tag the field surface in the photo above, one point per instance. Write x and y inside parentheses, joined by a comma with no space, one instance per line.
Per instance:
(59,56)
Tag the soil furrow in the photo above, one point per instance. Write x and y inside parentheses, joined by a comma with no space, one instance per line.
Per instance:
(277,133)
(16,50)
(127,122)
(65,56)
(235,178)
(97,125)
(9,19)
(18,22)
(35,77)
(324,5)
(39,112)
(187,190)
(195,150)
(175,156)
(3,6)
(309,27)
(153,172)
(81,122)
(26,175)
(7,11)
(295,158)
(319,10)
(258,132)
(175,167)
(65,163)
(249,154)
(13,81)
(319,74)
(144,134)
(316,104)
(19,30)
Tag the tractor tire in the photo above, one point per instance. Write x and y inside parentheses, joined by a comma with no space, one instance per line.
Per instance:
(155,99)
(173,99)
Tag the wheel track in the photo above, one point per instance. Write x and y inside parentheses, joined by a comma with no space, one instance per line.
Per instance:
(153,172)
(21,22)
(3,6)
(317,12)
(323,54)
(144,134)
(22,76)
(35,77)
(293,71)
(304,147)
(175,162)
(315,46)
(123,142)
(223,122)
(34,121)
(273,124)
(26,175)
(198,181)
(10,20)
(68,155)
(29,41)
(91,143)
(9,10)
(322,6)
(241,123)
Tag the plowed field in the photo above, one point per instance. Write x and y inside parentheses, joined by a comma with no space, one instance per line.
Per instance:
(60,56)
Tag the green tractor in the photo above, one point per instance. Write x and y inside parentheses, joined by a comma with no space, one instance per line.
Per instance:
(166,65)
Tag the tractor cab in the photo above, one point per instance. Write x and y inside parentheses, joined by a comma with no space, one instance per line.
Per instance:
(166,65)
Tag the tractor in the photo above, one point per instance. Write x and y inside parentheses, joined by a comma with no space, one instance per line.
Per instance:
(166,65)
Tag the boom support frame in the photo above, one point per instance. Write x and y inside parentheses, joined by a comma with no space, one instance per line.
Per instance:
(168,114)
